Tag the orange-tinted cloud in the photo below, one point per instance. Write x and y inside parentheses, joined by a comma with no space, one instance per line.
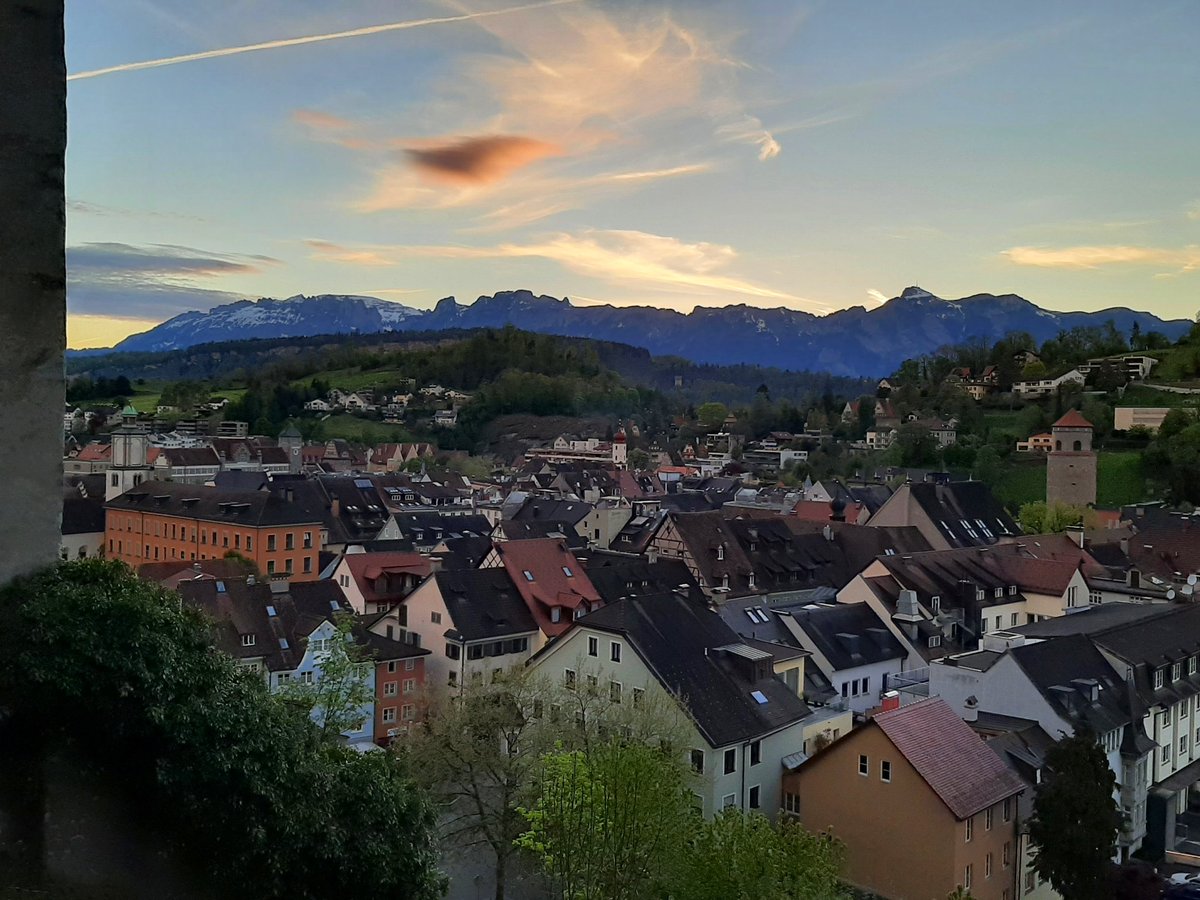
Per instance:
(479,160)
(1185,259)
(320,121)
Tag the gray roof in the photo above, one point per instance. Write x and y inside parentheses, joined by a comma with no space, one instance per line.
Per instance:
(484,604)
(848,635)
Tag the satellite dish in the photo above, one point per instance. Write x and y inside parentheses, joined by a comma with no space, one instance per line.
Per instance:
(1171,595)
(1192,580)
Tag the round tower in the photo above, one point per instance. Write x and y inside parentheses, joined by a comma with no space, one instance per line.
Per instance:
(620,450)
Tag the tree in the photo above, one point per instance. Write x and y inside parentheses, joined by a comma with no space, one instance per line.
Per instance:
(244,780)
(712,413)
(638,459)
(1075,818)
(610,820)
(1040,517)
(988,467)
(340,697)
(741,855)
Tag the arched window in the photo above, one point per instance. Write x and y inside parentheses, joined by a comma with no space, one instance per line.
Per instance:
(1058,445)
(1078,446)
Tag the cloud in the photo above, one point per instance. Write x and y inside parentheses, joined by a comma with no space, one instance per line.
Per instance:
(479,160)
(321,121)
(156,281)
(308,39)
(878,296)
(83,207)
(647,262)
(1193,211)
(1185,259)
(326,251)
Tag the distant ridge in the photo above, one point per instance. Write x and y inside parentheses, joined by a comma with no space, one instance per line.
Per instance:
(856,342)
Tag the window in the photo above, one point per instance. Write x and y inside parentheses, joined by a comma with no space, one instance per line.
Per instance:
(885,771)
(728,801)
(791,803)
(1006,855)
(1166,754)
(270,543)
(407,712)
(249,640)
(845,688)
(721,552)
(970,828)
(935,640)
(249,542)
(730,761)
(754,793)
(1013,620)
(935,604)
(725,581)
(614,691)
(593,646)
(1160,675)
(1071,592)
(392,666)
(987,821)
(410,685)
(528,575)
(1030,882)
(308,564)
(967,878)
(287,565)
(389,689)
(755,753)
(1191,665)
(306,677)
(435,618)
(1183,743)
(987,866)
(556,614)
(270,567)
(569,679)
(1012,590)
(567,571)
(983,625)
(638,693)
(1008,809)
(698,762)
(1176,671)
(389,714)
(866,684)
(453,651)
(237,540)
(999,592)
(614,651)
(864,766)
(1094,597)
(452,679)
(308,540)
(475,651)
(289,541)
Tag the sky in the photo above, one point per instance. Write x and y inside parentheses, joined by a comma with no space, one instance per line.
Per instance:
(634,152)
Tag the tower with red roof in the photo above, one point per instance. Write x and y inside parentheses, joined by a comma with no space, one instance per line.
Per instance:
(1071,465)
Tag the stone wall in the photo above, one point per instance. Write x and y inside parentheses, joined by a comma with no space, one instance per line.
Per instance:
(33,141)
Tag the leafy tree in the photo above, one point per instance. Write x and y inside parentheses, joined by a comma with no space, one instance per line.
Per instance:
(638,459)
(712,413)
(1039,517)
(1034,371)
(239,777)
(988,466)
(610,820)
(1075,818)
(741,855)
(340,697)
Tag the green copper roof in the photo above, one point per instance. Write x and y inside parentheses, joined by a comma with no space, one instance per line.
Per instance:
(129,411)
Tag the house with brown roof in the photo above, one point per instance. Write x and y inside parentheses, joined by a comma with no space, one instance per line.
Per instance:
(922,804)
(374,582)
(550,579)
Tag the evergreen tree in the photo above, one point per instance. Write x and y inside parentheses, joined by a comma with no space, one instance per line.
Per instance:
(1075,818)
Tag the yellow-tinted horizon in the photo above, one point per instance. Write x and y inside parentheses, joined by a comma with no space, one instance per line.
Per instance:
(84,332)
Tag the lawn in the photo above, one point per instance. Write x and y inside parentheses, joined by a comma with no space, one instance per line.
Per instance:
(367,431)
(356,379)
(1146,395)
(1120,480)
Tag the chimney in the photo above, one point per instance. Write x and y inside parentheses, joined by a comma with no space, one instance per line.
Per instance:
(289,494)
(196,568)
(250,580)
(828,532)
(1125,546)
(971,709)
(651,554)
(1075,533)
(906,605)
(1133,578)
(435,564)
(891,700)
(335,507)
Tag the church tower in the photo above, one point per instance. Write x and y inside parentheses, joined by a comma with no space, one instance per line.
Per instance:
(130,449)
(1071,465)
(290,441)
(619,448)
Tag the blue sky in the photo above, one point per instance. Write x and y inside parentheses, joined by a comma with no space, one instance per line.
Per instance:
(815,156)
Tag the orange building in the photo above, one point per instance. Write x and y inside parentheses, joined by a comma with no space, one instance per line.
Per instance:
(160,521)
(922,804)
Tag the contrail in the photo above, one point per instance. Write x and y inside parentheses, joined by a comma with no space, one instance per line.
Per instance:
(310,39)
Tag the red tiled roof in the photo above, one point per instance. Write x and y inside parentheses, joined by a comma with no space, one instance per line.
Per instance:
(365,568)
(95,453)
(952,759)
(819,511)
(545,559)
(1072,419)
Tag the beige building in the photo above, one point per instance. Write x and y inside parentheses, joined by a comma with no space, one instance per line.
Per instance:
(1149,417)
(921,803)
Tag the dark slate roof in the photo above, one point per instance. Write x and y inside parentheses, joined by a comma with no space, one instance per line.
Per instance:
(538,509)
(465,552)
(239,480)
(847,634)
(362,511)
(536,530)
(618,577)
(965,512)
(484,604)
(433,527)
(753,619)
(705,533)
(688,502)
(1155,642)
(686,646)
(1092,619)
(193,501)
(1063,671)
(83,515)
(949,756)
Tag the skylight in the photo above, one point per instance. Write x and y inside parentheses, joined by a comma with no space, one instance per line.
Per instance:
(567,571)
(528,575)
(283,643)
(270,611)
(759,697)
(220,587)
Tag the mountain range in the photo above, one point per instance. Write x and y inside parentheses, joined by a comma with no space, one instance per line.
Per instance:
(857,342)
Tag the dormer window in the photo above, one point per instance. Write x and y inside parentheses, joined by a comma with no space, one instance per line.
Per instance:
(1191,665)
(751,581)
(1160,676)
(1176,671)
(935,603)
(980,594)
(720,551)
(556,614)
(725,582)
(1012,590)
(249,640)
(999,592)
